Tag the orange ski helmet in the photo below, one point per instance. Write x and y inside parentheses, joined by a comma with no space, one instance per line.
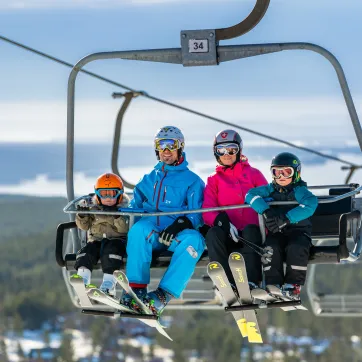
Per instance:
(109,185)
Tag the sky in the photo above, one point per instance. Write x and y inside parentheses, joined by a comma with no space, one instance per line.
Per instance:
(294,92)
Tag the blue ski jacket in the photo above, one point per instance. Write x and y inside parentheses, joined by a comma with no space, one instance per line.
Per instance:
(170,188)
(308,202)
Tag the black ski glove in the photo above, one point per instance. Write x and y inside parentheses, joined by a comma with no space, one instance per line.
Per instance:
(169,233)
(275,222)
(222,220)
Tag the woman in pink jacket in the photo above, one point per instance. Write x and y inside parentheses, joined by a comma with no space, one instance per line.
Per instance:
(228,186)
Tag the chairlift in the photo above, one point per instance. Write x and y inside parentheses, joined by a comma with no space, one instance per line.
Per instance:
(336,223)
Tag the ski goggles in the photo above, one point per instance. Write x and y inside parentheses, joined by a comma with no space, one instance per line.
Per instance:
(227,149)
(278,172)
(108,193)
(167,143)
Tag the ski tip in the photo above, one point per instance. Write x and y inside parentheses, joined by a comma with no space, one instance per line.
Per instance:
(167,336)
(236,256)
(120,275)
(213,265)
(164,333)
(254,335)
(242,327)
(94,292)
(301,307)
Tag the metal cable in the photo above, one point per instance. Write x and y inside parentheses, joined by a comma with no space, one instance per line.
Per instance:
(160,100)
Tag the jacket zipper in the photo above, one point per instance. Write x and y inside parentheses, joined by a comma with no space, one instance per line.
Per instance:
(164,194)
(158,197)
(154,190)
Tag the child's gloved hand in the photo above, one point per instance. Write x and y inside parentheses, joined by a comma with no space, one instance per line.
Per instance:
(83,205)
(170,232)
(275,222)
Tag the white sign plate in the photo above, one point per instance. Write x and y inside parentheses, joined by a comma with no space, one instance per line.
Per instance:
(198,46)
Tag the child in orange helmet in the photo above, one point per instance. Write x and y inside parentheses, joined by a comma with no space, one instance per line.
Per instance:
(106,234)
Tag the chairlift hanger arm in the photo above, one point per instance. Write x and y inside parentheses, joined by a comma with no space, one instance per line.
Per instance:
(225,53)
(246,25)
(128,97)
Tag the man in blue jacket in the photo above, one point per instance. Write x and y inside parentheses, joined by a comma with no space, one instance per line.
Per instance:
(170,186)
(289,226)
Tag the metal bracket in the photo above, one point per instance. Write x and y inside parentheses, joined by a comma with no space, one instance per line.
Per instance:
(198,47)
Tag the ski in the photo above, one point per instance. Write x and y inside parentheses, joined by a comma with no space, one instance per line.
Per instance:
(217,274)
(99,296)
(122,280)
(77,283)
(237,266)
(263,295)
(275,291)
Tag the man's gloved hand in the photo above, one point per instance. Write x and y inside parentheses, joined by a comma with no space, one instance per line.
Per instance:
(222,220)
(275,222)
(170,232)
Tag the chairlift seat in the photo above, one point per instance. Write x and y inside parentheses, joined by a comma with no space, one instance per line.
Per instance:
(325,221)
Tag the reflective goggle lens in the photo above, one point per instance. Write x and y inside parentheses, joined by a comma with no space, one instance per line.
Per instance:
(108,193)
(227,149)
(170,144)
(286,172)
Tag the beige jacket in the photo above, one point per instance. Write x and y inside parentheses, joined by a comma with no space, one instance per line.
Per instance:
(100,226)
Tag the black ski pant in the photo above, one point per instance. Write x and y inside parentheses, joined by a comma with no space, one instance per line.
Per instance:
(110,251)
(220,246)
(293,249)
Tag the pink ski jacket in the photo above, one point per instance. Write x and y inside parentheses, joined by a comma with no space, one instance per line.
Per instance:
(228,186)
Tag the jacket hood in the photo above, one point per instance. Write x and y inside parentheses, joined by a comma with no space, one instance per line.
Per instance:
(242,163)
(182,166)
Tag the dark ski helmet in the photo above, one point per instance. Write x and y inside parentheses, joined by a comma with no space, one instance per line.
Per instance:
(286,159)
(228,136)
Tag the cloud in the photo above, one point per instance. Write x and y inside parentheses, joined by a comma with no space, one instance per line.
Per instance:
(308,120)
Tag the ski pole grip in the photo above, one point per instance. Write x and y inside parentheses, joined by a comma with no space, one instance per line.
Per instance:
(59,241)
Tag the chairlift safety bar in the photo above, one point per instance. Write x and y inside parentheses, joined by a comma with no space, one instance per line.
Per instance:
(71,209)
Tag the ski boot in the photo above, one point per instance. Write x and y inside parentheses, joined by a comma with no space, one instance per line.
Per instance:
(252,286)
(108,287)
(291,291)
(88,287)
(157,300)
(276,288)
(129,302)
